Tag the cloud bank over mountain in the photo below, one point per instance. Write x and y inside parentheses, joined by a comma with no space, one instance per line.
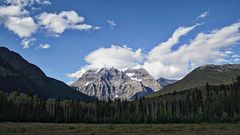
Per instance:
(163,60)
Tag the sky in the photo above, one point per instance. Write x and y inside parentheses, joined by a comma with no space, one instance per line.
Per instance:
(168,38)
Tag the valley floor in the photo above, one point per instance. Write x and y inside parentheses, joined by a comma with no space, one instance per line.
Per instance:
(118,129)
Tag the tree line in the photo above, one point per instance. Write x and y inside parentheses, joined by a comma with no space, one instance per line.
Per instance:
(205,104)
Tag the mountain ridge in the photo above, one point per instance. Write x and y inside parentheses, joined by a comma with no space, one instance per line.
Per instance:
(17,74)
(165,82)
(210,73)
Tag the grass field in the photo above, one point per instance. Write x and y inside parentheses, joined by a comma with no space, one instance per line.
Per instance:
(118,129)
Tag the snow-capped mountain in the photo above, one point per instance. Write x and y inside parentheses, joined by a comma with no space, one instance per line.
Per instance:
(164,82)
(111,83)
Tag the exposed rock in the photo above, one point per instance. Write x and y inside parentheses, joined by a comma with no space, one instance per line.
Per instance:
(110,83)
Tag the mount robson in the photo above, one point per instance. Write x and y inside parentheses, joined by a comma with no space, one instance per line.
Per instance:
(119,67)
(105,83)
(210,93)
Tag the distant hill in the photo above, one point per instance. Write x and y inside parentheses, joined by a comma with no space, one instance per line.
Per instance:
(16,74)
(213,74)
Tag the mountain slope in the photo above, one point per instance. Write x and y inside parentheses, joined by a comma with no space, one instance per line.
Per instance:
(111,83)
(213,74)
(165,82)
(16,74)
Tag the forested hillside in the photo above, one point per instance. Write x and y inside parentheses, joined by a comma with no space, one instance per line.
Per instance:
(207,104)
(211,74)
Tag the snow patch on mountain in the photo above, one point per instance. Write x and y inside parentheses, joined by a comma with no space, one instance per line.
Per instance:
(112,83)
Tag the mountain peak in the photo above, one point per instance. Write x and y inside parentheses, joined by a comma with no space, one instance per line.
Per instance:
(20,64)
(18,74)
(112,83)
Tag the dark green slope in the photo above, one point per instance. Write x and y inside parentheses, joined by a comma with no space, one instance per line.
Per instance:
(16,74)
(213,74)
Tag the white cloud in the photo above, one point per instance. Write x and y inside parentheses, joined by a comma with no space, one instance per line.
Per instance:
(27,42)
(15,15)
(165,47)
(203,15)
(115,56)
(97,28)
(81,27)
(12,10)
(162,61)
(71,17)
(44,46)
(52,22)
(120,57)
(112,23)
(45,2)
(205,48)
(228,52)
(23,27)
(80,72)
(58,23)
(15,18)
(235,56)
(237,60)
(24,3)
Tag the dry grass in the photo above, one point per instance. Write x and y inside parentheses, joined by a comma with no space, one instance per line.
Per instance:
(118,129)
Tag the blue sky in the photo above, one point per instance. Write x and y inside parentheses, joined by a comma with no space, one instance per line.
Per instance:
(137,29)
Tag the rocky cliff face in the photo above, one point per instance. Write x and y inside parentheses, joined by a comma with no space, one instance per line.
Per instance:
(141,75)
(17,74)
(110,83)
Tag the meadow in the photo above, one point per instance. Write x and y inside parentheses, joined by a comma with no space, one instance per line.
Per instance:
(9,128)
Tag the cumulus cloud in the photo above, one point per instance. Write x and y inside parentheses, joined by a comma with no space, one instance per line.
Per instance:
(44,46)
(162,61)
(58,23)
(12,10)
(120,57)
(203,15)
(23,27)
(16,16)
(115,56)
(112,23)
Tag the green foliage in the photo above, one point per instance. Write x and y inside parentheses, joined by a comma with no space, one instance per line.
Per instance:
(206,104)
